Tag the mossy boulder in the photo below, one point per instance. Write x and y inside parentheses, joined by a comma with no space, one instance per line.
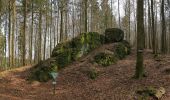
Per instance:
(127,45)
(63,58)
(65,53)
(113,35)
(93,73)
(122,49)
(69,51)
(150,92)
(105,59)
(41,71)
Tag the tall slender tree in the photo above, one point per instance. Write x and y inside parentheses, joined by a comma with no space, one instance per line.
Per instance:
(24,34)
(153,27)
(86,16)
(140,39)
(163,27)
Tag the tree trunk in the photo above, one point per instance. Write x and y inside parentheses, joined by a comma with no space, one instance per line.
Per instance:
(24,34)
(40,36)
(9,36)
(140,40)
(85,11)
(31,34)
(153,28)
(119,14)
(163,48)
(13,32)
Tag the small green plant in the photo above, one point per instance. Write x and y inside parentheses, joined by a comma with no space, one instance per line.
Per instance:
(150,92)
(92,73)
(105,59)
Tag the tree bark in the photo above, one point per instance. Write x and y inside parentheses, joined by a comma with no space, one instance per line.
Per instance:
(24,34)
(140,40)
(163,26)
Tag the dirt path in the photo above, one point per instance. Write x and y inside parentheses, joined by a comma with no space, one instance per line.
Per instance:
(113,83)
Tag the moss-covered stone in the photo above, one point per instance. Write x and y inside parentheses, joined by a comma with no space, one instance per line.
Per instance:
(113,35)
(146,92)
(122,49)
(105,59)
(63,58)
(72,50)
(127,44)
(93,73)
(67,52)
(41,71)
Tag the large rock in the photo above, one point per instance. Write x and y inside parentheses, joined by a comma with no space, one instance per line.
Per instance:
(147,93)
(122,49)
(113,35)
(105,59)
(67,52)
(41,71)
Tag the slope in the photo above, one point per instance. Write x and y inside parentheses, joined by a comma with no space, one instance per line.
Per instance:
(114,82)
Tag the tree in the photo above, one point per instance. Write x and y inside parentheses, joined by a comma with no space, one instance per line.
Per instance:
(1,4)
(9,33)
(119,12)
(13,33)
(126,20)
(2,48)
(61,7)
(140,40)
(149,27)
(163,48)
(83,15)
(24,34)
(32,30)
(86,16)
(106,14)
(153,27)
(95,16)
(40,5)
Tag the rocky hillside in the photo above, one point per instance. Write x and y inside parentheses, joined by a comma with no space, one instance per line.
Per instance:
(68,52)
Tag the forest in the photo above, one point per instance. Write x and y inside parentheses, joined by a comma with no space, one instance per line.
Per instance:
(85,49)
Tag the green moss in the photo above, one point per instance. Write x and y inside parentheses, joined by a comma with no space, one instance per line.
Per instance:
(64,58)
(127,44)
(41,71)
(92,73)
(67,52)
(146,92)
(105,59)
(70,51)
(122,49)
(60,48)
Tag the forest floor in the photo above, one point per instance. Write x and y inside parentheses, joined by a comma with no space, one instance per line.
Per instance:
(114,82)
